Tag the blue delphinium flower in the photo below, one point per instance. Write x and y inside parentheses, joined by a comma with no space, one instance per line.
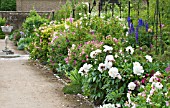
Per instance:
(129,21)
(131,29)
(137,35)
(140,22)
(147,27)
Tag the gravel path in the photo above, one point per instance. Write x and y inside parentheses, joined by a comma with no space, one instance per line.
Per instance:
(23,85)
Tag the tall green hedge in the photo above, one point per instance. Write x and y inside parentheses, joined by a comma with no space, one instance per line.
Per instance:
(7,5)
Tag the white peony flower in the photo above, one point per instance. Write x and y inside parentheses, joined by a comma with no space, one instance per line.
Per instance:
(107,49)
(131,86)
(85,69)
(149,58)
(157,74)
(153,79)
(93,54)
(158,85)
(102,67)
(113,72)
(81,71)
(108,64)
(109,58)
(98,51)
(130,50)
(137,68)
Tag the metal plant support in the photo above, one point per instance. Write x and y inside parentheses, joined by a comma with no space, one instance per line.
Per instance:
(103,2)
(129,8)
(157,24)
(91,7)
(7,30)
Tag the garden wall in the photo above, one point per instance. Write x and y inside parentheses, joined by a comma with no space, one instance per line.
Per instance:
(16,18)
(39,5)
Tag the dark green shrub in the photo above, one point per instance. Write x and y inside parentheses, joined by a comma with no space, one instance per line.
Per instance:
(7,5)
(34,20)
(2,22)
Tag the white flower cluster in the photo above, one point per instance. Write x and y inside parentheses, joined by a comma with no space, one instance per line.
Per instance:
(108,63)
(155,85)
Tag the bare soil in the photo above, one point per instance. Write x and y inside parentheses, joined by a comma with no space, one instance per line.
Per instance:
(24,85)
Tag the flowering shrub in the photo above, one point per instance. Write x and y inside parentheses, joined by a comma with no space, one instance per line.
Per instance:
(153,93)
(78,54)
(58,52)
(109,76)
